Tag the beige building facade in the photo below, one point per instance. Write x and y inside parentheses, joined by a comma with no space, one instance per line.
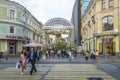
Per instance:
(100,27)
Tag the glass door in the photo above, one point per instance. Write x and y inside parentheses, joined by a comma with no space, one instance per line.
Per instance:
(12,47)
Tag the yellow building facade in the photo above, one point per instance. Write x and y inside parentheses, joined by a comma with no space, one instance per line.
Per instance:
(100,27)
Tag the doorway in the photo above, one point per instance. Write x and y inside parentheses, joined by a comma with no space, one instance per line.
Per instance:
(109,49)
(12,47)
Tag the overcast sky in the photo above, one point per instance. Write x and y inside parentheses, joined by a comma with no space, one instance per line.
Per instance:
(44,10)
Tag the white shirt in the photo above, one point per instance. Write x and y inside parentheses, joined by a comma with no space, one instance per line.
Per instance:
(96,53)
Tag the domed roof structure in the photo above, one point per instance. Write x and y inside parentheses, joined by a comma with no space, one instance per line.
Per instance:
(58,21)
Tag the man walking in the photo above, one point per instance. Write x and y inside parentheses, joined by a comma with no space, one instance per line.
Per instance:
(32,58)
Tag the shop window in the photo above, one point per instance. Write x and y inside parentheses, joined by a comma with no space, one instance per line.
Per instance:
(103,4)
(107,23)
(110,3)
(100,48)
(11,29)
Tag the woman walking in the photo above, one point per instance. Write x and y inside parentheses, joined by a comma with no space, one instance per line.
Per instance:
(87,55)
(23,60)
(96,55)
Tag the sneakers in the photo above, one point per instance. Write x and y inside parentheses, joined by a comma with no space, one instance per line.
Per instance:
(21,73)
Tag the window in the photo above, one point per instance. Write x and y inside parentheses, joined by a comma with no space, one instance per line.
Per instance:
(33,36)
(110,3)
(103,4)
(12,14)
(107,23)
(11,29)
(93,19)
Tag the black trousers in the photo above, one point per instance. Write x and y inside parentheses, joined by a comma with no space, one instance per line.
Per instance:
(33,68)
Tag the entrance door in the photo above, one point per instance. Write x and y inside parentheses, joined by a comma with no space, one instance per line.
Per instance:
(110,49)
(12,47)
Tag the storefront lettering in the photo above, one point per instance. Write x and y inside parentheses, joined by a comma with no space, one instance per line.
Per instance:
(14,37)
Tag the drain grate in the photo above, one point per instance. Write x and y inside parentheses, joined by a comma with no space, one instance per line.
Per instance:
(94,78)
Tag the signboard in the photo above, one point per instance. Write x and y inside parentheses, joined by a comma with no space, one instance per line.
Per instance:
(14,37)
(5,36)
(106,44)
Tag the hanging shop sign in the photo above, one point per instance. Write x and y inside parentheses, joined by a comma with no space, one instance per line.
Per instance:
(106,44)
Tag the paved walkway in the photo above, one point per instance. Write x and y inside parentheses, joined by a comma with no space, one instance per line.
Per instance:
(57,72)
(78,59)
(110,65)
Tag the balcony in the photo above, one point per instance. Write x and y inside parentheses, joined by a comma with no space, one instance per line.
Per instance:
(7,19)
(96,34)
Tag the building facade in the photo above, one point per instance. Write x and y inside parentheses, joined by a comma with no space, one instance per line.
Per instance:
(17,27)
(76,20)
(100,27)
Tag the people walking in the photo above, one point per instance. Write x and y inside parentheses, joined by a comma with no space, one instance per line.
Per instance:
(59,53)
(92,54)
(87,55)
(32,57)
(70,55)
(96,55)
(6,55)
(39,53)
(23,61)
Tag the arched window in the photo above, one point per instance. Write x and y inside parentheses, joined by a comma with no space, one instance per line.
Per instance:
(107,23)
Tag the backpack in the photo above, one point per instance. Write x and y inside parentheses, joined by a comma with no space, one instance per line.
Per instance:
(38,54)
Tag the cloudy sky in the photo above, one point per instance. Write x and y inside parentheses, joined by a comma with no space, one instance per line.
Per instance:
(44,10)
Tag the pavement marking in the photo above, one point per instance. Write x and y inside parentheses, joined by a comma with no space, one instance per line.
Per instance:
(56,72)
(65,79)
(76,72)
(12,73)
(42,78)
(75,79)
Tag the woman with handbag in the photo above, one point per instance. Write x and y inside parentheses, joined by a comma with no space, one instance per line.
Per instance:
(23,60)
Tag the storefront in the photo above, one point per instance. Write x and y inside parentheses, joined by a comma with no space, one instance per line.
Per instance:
(107,46)
(11,43)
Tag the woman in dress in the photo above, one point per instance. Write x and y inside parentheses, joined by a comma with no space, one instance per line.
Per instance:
(23,60)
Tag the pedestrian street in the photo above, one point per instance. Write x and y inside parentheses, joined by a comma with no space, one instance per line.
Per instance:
(57,72)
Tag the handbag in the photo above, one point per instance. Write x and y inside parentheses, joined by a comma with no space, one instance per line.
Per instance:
(18,65)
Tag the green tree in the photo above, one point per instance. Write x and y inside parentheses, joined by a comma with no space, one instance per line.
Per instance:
(60,45)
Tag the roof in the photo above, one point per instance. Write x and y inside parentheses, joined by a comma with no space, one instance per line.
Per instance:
(58,21)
